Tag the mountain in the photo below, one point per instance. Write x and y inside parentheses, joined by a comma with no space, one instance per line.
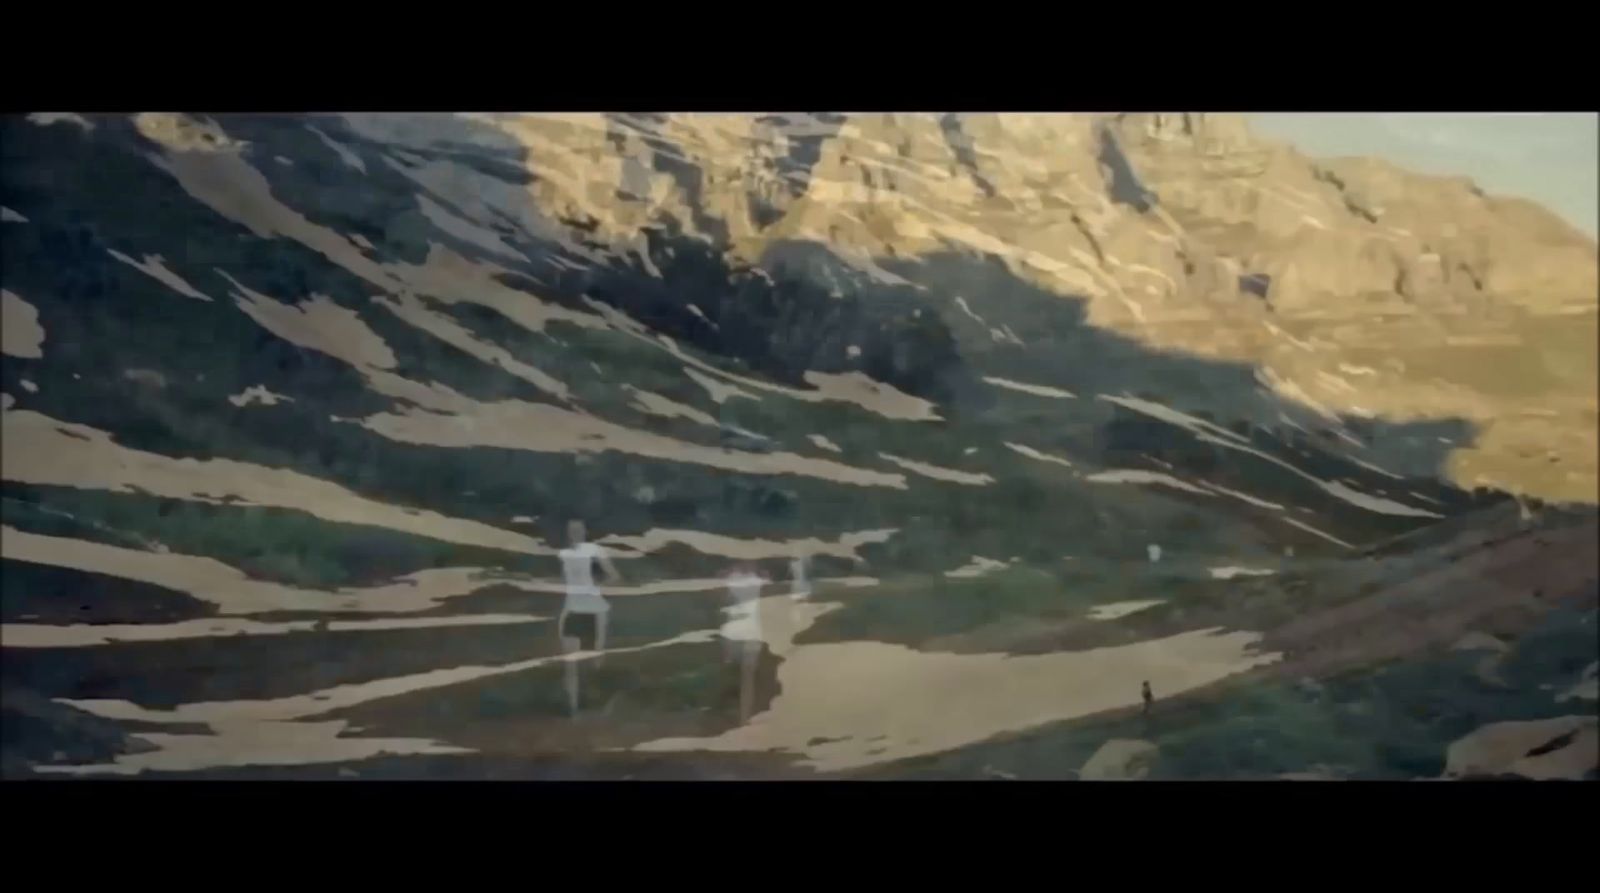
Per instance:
(296,409)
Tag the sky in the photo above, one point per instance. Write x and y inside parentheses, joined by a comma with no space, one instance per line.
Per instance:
(1548,157)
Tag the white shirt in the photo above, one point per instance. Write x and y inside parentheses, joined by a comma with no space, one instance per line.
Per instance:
(577,565)
(744,623)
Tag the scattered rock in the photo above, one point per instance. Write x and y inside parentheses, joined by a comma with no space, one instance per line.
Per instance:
(1120,759)
(147,377)
(1586,688)
(1476,641)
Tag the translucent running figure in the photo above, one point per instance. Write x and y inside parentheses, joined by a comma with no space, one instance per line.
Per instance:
(799,583)
(582,625)
(741,634)
(1154,551)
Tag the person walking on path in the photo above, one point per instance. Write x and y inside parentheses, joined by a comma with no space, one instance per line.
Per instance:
(1149,701)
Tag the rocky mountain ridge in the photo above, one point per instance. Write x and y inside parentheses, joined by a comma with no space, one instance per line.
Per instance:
(1183,231)
(1148,208)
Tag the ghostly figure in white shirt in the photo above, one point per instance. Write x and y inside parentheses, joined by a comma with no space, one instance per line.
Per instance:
(584,612)
(799,582)
(741,633)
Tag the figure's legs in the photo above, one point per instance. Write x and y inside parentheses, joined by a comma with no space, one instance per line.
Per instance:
(569,645)
(571,672)
(747,679)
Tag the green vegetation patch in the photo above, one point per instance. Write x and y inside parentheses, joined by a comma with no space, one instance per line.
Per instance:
(282,545)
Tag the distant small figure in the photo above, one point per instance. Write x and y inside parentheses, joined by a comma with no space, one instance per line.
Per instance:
(1154,551)
(1149,699)
(1288,551)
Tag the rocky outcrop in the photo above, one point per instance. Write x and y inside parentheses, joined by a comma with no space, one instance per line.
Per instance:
(1150,211)
(1120,759)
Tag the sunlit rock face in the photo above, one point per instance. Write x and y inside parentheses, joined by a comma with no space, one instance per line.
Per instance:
(331,386)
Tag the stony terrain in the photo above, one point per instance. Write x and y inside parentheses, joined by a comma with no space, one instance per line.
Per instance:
(296,409)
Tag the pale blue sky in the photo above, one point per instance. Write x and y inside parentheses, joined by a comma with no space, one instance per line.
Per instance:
(1548,157)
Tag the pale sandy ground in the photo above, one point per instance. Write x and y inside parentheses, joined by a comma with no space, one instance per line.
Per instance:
(45,119)
(1037,390)
(1032,453)
(255,744)
(214,582)
(1507,748)
(258,394)
(37,449)
(667,408)
(872,702)
(1228,573)
(1140,476)
(844,705)
(21,335)
(156,268)
(1114,610)
(823,442)
(272,732)
(940,473)
(85,635)
(439,416)
(234,593)
(977,567)
(847,545)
